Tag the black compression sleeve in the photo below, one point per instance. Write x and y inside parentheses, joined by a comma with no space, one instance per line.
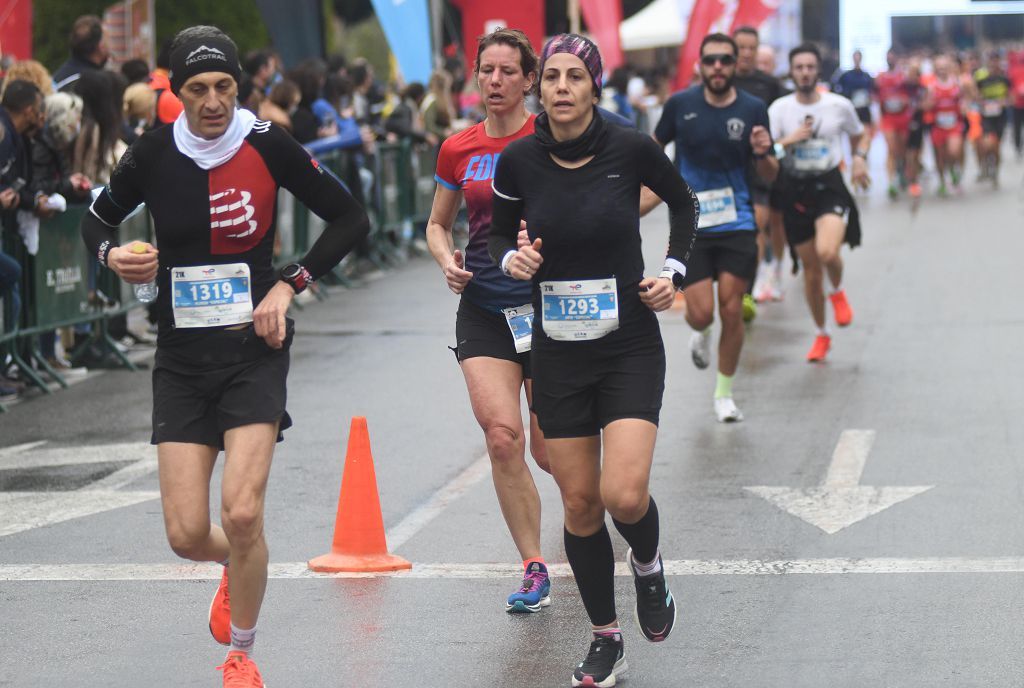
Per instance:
(683,211)
(504,234)
(338,238)
(683,207)
(99,238)
(506,207)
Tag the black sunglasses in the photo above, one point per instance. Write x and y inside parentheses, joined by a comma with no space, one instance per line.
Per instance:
(726,59)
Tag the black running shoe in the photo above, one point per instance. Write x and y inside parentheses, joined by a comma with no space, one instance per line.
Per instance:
(604,662)
(655,606)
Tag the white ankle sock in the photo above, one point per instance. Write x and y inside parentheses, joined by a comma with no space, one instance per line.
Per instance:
(242,640)
(649,568)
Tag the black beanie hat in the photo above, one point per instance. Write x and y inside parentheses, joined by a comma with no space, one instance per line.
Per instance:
(206,54)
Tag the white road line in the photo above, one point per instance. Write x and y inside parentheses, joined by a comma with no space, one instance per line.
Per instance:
(677,567)
(418,519)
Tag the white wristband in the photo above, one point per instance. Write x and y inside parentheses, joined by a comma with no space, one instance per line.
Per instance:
(504,262)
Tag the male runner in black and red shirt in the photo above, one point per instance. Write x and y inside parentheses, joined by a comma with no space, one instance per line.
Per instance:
(210,181)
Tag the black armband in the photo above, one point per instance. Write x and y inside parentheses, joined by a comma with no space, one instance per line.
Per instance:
(102,251)
(99,238)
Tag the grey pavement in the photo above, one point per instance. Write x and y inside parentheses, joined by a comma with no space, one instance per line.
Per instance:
(926,592)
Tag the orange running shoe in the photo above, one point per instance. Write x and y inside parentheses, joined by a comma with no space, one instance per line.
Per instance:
(844,314)
(915,190)
(822,343)
(220,612)
(240,671)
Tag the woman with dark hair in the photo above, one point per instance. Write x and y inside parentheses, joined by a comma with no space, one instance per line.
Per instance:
(309,76)
(99,145)
(598,358)
(492,324)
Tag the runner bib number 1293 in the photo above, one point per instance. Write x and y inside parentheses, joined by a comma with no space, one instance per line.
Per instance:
(211,295)
(579,310)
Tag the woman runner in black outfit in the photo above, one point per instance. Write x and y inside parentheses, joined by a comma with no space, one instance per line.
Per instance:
(598,359)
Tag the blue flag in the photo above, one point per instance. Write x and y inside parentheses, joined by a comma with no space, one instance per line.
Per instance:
(406,25)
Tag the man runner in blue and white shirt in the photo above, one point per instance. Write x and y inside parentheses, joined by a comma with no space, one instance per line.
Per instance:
(718,130)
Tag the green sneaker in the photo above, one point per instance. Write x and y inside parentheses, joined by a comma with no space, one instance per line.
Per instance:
(749,308)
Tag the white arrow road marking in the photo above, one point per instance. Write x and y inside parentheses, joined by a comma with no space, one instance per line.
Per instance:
(18,448)
(27,456)
(840,501)
(676,567)
(21,511)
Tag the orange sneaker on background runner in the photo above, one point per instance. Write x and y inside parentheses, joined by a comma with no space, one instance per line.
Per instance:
(822,343)
(844,314)
(220,612)
(915,190)
(240,672)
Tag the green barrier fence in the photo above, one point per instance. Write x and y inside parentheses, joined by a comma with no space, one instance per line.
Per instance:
(62,286)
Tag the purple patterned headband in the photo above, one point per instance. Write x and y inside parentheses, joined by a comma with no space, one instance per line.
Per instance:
(582,48)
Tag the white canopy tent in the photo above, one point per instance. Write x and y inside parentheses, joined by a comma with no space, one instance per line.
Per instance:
(662,23)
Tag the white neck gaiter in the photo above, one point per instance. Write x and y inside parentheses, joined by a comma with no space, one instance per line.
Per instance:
(209,153)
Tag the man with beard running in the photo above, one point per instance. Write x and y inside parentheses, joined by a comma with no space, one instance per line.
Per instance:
(820,213)
(719,132)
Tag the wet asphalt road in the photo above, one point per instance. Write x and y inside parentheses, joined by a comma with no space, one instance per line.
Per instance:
(926,592)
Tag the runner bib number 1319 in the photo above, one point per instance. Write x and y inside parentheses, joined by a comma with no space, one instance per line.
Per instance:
(211,295)
(579,310)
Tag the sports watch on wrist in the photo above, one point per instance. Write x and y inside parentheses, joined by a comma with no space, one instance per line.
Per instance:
(677,279)
(296,276)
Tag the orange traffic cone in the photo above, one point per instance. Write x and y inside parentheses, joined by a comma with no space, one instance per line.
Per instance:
(359,543)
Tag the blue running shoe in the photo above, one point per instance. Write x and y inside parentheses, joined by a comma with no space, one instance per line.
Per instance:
(535,592)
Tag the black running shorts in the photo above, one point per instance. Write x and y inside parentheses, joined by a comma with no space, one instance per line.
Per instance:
(994,125)
(807,200)
(234,379)
(481,332)
(580,387)
(915,135)
(715,253)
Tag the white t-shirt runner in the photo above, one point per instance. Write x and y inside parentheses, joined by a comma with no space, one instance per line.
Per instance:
(830,117)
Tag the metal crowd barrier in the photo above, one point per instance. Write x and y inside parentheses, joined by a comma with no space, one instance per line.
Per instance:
(63,286)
